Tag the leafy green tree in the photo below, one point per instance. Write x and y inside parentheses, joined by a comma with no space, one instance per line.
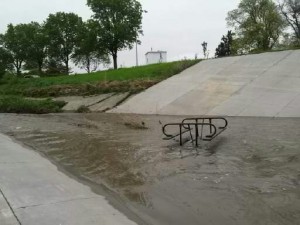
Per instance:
(120,23)
(89,53)
(37,49)
(63,31)
(290,9)
(16,42)
(257,23)
(5,61)
(225,48)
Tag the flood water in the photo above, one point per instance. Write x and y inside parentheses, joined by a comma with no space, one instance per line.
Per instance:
(249,175)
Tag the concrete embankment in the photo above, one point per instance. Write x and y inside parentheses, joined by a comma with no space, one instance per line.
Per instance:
(265,84)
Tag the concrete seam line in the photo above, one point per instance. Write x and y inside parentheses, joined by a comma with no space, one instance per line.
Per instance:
(59,202)
(102,100)
(118,103)
(12,163)
(19,222)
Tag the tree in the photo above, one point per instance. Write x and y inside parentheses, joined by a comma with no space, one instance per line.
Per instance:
(257,23)
(37,49)
(204,48)
(16,42)
(120,23)
(225,47)
(5,61)
(290,9)
(26,43)
(63,31)
(89,53)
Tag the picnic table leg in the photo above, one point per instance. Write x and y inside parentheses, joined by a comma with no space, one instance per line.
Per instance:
(197,134)
(210,127)
(191,134)
(203,121)
(180,130)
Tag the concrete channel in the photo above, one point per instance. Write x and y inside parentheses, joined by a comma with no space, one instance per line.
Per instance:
(114,168)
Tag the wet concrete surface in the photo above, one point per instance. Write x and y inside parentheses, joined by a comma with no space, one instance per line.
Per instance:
(248,175)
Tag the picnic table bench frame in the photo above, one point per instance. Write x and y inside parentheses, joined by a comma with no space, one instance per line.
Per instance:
(194,124)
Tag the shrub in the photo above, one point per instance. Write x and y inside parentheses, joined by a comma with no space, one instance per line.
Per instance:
(14,104)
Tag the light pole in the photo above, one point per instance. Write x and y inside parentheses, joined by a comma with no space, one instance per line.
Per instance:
(136,47)
(137,55)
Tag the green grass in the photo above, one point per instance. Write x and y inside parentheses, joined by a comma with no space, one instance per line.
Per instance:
(127,79)
(16,104)
(13,91)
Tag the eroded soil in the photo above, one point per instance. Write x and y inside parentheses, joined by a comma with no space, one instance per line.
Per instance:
(248,175)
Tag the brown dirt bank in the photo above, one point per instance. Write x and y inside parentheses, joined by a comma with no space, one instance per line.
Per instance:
(249,175)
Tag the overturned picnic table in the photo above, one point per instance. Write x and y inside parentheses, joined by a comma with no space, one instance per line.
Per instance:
(199,128)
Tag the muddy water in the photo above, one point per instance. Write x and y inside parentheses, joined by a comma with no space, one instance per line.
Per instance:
(249,175)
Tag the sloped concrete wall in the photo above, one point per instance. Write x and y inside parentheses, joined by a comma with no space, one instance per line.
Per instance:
(265,84)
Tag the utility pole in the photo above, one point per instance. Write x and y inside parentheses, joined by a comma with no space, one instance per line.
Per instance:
(137,55)
(136,47)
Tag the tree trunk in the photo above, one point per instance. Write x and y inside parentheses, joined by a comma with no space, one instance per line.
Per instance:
(40,68)
(88,65)
(19,71)
(115,58)
(18,66)
(67,67)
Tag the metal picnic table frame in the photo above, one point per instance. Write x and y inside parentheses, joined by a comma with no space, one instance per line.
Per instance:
(196,125)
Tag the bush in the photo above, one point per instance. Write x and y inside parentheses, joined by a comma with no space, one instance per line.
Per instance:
(14,104)
(9,79)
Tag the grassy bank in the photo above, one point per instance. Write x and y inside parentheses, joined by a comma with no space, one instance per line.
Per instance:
(132,80)
(14,91)
(16,104)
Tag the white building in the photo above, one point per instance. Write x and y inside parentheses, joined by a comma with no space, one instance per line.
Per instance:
(156,57)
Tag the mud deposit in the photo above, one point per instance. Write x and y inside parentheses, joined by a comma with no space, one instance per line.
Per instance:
(248,175)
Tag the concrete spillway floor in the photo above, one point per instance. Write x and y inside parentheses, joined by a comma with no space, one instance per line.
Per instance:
(34,192)
(249,175)
(265,84)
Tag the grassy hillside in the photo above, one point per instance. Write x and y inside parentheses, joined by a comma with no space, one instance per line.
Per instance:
(128,79)
(13,91)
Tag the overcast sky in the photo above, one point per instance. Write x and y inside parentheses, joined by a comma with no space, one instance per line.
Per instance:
(176,26)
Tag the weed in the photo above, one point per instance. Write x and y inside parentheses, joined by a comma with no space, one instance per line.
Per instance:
(134,123)
(83,109)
